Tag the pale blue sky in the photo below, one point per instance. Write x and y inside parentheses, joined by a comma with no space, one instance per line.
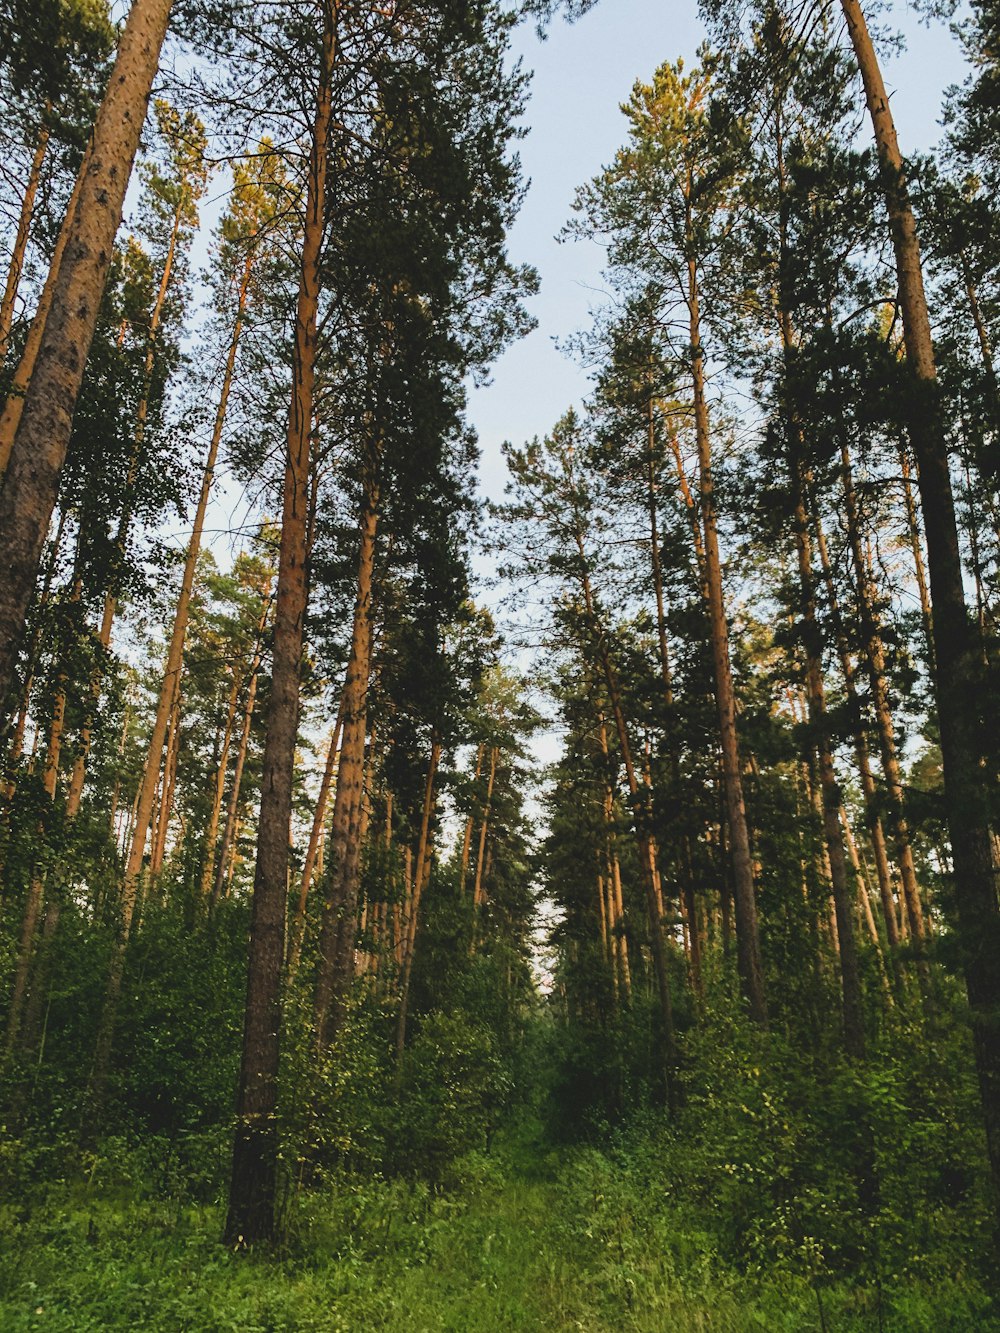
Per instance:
(583,72)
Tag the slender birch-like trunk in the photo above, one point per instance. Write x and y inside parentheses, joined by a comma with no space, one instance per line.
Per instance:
(830,798)
(642,814)
(224,861)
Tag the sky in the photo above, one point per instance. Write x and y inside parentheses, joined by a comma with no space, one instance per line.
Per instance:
(583,72)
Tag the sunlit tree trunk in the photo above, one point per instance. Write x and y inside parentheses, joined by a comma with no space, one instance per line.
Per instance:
(31,481)
(875,655)
(36,890)
(218,787)
(467,837)
(920,573)
(869,792)
(21,240)
(13,408)
(747,938)
(254,1180)
(956,670)
(175,651)
(336,942)
(477,890)
(421,872)
(314,847)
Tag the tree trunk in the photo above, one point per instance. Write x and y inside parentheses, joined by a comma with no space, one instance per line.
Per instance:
(224,861)
(830,794)
(875,654)
(21,241)
(467,838)
(254,1181)
(956,672)
(421,870)
(477,889)
(219,788)
(31,482)
(310,863)
(17,740)
(868,790)
(13,408)
(224,868)
(913,528)
(175,651)
(642,820)
(336,945)
(614,871)
(169,786)
(747,938)
(36,891)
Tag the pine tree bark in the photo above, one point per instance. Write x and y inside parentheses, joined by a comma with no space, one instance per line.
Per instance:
(175,651)
(21,240)
(463,862)
(875,655)
(31,481)
(218,788)
(642,817)
(336,942)
(169,786)
(36,890)
(830,794)
(956,671)
(869,792)
(748,956)
(913,529)
(314,847)
(478,894)
(421,872)
(254,1180)
(13,408)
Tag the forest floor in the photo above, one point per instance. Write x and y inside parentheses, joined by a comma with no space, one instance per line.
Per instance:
(514,1241)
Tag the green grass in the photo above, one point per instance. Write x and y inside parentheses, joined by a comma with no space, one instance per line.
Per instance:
(546,1245)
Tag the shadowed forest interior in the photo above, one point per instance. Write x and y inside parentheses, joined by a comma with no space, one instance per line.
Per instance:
(574,907)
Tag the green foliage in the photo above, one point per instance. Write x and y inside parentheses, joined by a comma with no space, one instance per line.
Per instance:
(809,1167)
(518,1241)
(453,1090)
